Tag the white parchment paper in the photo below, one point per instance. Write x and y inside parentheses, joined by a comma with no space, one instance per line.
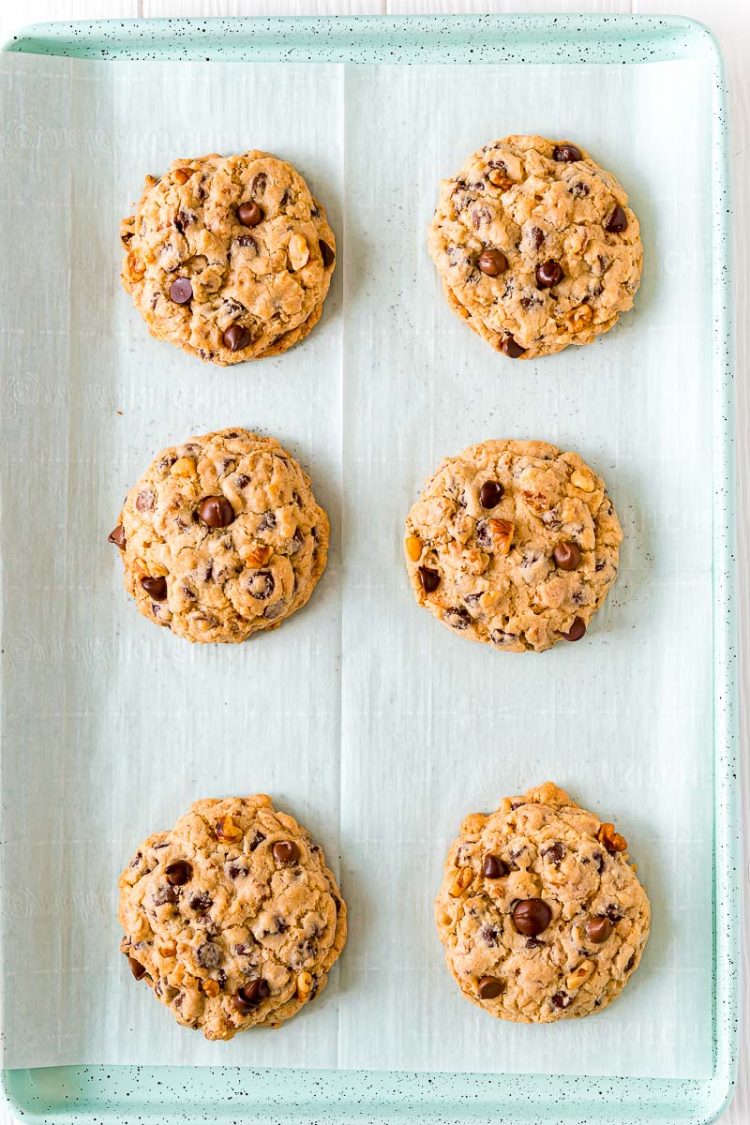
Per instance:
(362,716)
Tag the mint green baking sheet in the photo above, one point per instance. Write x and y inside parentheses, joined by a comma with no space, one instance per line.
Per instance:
(412,55)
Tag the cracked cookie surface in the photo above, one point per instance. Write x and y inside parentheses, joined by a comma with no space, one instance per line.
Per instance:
(513,543)
(222,537)
(536,246)
(229,257)
(541,913)
(232,918)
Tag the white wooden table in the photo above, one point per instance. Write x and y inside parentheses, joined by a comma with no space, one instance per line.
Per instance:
(730,21)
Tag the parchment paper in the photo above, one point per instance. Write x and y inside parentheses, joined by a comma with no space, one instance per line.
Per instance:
(362,716)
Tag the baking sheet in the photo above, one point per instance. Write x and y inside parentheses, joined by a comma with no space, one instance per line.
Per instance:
(362,716)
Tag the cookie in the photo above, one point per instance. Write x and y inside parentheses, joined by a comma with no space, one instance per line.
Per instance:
(222,537)
(232,918)
(541,913)
(536,246)
(229,257)
(513,543)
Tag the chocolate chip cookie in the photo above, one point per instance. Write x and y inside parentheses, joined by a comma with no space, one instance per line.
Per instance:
(513,543)
(232,918)
(536,246)
(540,912)
(230,257)
(222,537)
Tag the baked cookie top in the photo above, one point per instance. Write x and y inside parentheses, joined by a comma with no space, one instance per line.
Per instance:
(540,912)
(230,257)
(232,918)
(222,537)
(536,246)
(513,543)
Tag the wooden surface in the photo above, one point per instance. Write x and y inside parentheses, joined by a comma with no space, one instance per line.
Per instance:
(730,21)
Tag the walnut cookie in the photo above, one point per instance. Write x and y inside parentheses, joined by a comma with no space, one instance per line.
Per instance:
(222,537)
(232,918)
(541,913)
(536,246)
(513,543)
(229,257)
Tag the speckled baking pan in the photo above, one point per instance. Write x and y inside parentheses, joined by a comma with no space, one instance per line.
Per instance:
(169,1095)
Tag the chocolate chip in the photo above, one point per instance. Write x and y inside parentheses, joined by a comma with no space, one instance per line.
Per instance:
(599,860)
(258,187)
(181,291)
(562,1000)
(548,274)
(249,214)
(576,631)
(201,903)
(555,853)
(630,964)
(598,929)
(267,521)
(248,243)
(491,493)
(251,995)
(511,348)
(209,955)
(137,969)
(166,894)
(430,579)
(613,914)
(494,867)
(484,535)
(480,215)
(492,262)
(236,871)
(118,537)
(490,935)
(285,852)
(617,221)
(531,916)
(534,943)
(261,585)
(215,511)
(183,219)
(567,555)
(537,237)
(156,588)
(145,500)
(179,873)
(501,637)
(258,838)
(489,988)
(567,153)
(457,617)
(326,253)
(579,190)
(236,337)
